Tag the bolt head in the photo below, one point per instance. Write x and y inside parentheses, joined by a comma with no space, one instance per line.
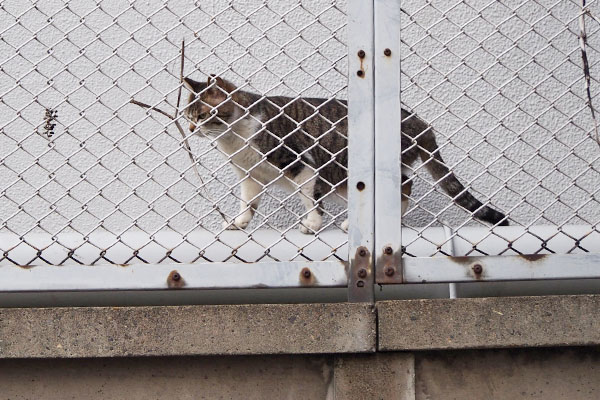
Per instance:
(361,53)
(477,268)
(362,252)
(389,271)
(388,250)
(360,283)
(176,276)
(387,52)
(362,273)
(306,273)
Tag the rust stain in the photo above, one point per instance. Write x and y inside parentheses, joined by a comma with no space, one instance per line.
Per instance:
(26,266)
(462,259)
(175,280)
(123,265)
(307,278)
(532,257)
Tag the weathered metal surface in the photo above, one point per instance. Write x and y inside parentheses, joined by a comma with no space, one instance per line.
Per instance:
(489,322)
(187,330)
(388,176)
(499,268)
(360,277)
(173,276)
(361,145)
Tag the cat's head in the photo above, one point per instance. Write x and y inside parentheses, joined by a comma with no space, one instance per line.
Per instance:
(210,109)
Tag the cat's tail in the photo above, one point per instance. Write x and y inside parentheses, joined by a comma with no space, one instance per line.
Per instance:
(430,154)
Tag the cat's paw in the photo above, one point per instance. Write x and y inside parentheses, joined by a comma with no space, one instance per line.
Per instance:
(345,225)
(238,223)
(310,226)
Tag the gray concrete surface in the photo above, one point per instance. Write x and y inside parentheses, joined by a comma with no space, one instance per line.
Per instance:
(389,376)
(489,322)
(533,374)
(509,374)
(181,378)
(186,330)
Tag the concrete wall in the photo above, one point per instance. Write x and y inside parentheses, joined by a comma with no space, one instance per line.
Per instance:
(499,81)
(545,374)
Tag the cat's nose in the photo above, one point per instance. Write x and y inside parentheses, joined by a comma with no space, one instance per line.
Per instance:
(192,127)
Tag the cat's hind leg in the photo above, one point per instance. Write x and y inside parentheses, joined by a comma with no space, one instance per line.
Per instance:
(310,194)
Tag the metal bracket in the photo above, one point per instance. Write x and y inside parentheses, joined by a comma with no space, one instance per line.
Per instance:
(360,277)
(389,266)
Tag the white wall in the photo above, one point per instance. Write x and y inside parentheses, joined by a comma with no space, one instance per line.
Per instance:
(87,61)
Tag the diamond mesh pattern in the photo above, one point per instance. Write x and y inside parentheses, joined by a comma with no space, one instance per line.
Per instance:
(502,84)
(83,168)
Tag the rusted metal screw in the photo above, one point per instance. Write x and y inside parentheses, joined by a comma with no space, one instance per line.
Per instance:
(306,273)
(176,276)
(360,72)
(361,53)
(387,52)
(360,185)
(362,252)
(360,284)
(388,250)
(477,268)
(362,273)
(389,271)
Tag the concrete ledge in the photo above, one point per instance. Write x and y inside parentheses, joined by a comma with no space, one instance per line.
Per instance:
(497,322)
(187,330)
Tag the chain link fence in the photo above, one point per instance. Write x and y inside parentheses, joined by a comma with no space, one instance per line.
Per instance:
(503,86)
(88,177)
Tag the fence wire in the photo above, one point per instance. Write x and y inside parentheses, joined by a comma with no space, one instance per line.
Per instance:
(502,84)
(90,173)
(88,177)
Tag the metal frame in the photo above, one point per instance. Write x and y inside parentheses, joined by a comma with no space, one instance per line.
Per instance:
(388,177)
(361,149)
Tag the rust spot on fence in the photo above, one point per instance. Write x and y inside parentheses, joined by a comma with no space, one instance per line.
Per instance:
(26,266)
(477,270)
(462,260)
(532,257)
(175,280)
(361,71)
(389,266)
(307,278)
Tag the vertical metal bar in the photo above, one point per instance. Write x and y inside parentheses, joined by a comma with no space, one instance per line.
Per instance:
(388,177)
(361,143)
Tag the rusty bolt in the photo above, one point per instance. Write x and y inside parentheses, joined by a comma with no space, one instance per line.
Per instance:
(387,52)
(176,276)
(360,284)
(361,53)
(362,273)
(360,73)
(306,273)
(360,185)
(388,250)
(389,271)
(362,252)
(477,268)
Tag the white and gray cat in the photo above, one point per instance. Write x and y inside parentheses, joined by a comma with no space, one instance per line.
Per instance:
(301,144)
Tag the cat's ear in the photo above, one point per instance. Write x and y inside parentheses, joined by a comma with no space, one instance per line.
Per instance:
(192,85)
(221,83)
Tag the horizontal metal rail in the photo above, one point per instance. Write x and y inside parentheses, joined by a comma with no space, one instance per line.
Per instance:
(173,276)
(498,268)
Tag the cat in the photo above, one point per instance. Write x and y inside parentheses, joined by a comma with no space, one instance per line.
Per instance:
(301,144)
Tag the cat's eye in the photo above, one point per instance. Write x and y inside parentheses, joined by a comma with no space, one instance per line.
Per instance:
(203,115)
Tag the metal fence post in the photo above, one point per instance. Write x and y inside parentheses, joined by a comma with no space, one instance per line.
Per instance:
(388,192)
(361,149)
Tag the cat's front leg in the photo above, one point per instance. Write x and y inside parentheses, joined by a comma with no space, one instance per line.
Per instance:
(250,193)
